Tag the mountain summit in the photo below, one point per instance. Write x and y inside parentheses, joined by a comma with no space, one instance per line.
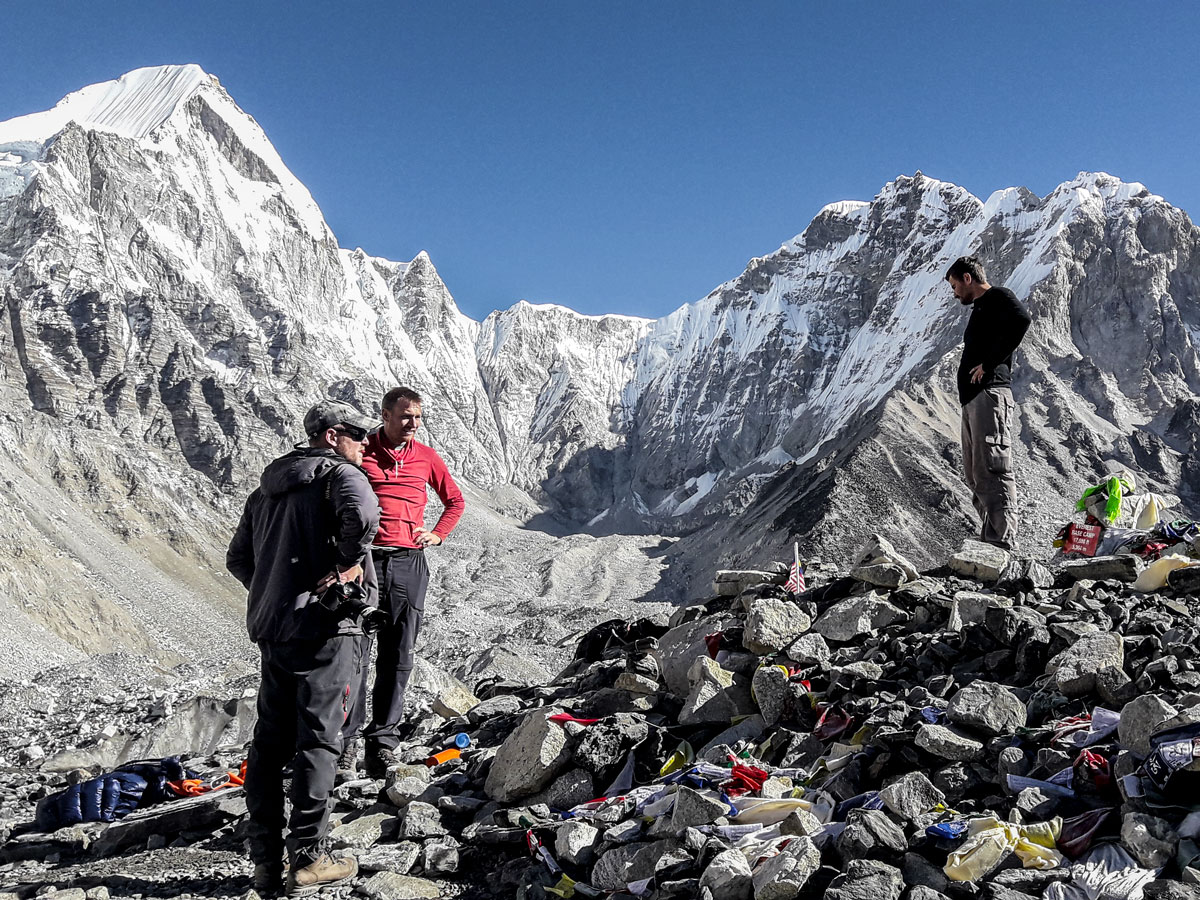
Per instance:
(175,301)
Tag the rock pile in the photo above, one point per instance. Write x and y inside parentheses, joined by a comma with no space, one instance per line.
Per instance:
(989,729)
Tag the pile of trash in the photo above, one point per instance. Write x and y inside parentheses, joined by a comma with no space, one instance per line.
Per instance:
(1152,547)
(995,728)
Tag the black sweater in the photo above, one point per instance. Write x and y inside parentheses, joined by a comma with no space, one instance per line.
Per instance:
(998,322)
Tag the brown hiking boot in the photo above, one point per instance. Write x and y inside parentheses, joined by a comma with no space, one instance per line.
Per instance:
(321,872)
(347,764)
(377,762)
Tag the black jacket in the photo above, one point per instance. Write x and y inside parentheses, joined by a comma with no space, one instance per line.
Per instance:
(998,322)
(311,510)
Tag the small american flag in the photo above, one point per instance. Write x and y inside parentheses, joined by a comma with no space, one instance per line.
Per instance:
(795,582)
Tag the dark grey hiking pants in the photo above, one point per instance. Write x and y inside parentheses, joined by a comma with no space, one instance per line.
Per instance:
(301,709)
(403,578)
(987,423)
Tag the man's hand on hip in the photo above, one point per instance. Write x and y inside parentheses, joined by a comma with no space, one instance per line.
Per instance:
(977,374)
(425,538)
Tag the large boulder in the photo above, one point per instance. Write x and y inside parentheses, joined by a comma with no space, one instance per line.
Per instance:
(784,875)
(856,617)
(991,708)
(1075,668)
(773,623)
(529,759)
(983,562)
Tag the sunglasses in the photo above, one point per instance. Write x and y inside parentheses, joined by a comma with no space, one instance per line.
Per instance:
(352,431)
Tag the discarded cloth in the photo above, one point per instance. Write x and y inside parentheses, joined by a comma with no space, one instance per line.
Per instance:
(989,841)
(1107,872)
(1084,731)
(1154,576)
(1104,500)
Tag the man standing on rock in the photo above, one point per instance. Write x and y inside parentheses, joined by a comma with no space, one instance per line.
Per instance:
(398,467)
(998,323)
(306,529)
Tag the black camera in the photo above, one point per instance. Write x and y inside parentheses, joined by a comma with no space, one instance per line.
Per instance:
(348,600)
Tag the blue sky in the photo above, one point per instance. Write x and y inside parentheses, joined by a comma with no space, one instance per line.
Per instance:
(629,157)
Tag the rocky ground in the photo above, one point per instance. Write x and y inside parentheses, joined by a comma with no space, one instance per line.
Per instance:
(995,727)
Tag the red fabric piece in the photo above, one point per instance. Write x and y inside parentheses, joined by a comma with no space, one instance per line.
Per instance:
(743,779)
(833,721)
(560,718)
(398,476)
(1096,767)
(713,643)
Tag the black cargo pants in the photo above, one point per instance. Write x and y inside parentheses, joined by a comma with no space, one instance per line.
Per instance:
(403,577)
(302,705)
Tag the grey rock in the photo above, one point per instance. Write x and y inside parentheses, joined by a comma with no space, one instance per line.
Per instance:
(809,649)
(1150,840)
(769,688)
(784,875)
(867,879)
(870,834)
(728,876)
(1164,889)
(879,564)
(1185,580)
(917,870)
(973,608)
(1124,567)
(398,858)
(709,700)
(1036,805)
(493,707)
(363,832)
(1139,718)
(693,808)
(983,562)
(856,617)
(679,648)
(575,841)
(419,820)
(800,822)
(991,708)
(440,856)
(498,661)
(773,624)
(529,759)
(569,789)
(922,892)
(910,795)
(948,743)
(633,862)
(1075,668)
(393,886)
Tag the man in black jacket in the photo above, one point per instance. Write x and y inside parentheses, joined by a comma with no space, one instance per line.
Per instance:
(998,323)
(307,528)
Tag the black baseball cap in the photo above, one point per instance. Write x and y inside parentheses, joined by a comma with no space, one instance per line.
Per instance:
(331,414)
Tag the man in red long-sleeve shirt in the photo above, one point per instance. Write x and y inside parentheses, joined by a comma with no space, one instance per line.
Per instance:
(398,468)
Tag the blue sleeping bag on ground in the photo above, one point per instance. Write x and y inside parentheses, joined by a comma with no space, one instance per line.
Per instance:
(113,795)
(101,799)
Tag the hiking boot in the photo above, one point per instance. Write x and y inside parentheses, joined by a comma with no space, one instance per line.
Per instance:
(347,764)
(267,880)
(378,761)
(321,872)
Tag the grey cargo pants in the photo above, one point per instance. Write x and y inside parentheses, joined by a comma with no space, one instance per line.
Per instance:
(987,423)
(301,707)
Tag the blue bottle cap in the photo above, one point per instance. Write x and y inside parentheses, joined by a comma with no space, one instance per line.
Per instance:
(462,740)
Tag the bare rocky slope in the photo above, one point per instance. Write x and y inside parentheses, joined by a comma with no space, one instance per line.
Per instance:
(174,301)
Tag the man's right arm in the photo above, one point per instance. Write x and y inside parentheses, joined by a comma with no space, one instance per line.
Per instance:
(357,511)
(239,558)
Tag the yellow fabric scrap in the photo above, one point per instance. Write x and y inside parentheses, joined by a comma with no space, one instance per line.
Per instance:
(1154,576)
(683,756)
(989,840)
(565,888)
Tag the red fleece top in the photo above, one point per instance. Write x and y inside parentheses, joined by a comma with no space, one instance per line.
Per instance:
(398,476)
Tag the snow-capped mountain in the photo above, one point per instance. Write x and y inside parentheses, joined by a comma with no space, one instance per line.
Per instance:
(175,301)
